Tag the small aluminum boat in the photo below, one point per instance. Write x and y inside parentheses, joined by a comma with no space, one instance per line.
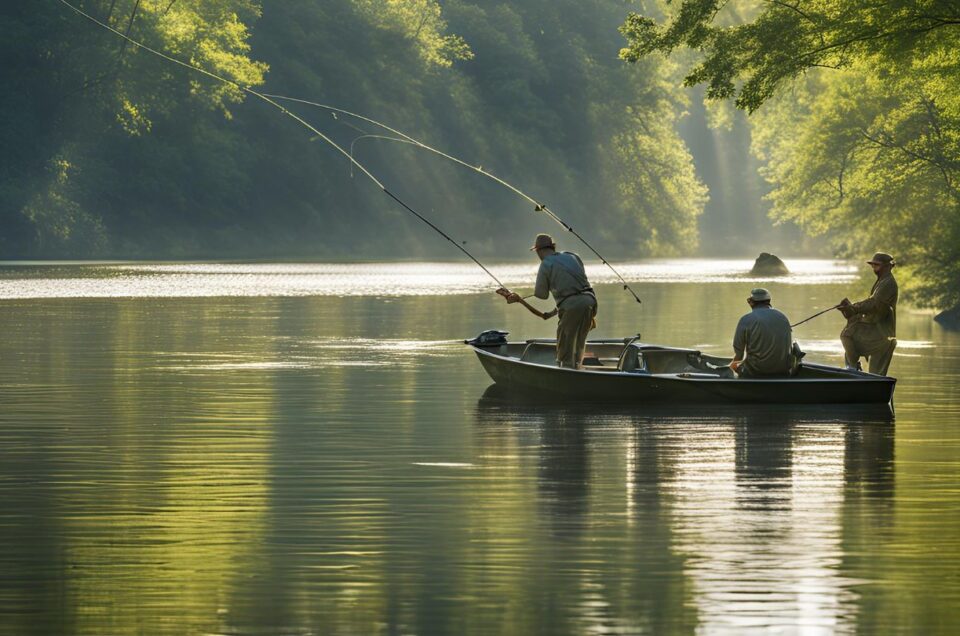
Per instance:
(628,370)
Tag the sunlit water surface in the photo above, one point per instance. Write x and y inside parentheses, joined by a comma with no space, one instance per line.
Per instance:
(310,449)
(178,280)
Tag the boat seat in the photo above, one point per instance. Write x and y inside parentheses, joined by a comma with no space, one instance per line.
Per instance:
(653,359)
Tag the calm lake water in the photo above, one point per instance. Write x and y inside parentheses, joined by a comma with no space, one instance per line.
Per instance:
(310,449)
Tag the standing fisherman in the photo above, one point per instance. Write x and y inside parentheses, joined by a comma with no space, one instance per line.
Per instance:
(871,329)
(563,274)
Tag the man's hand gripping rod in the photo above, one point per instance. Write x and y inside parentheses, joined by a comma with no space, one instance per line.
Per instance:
(516,298)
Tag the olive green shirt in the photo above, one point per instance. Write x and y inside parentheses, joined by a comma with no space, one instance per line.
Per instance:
(880,308)
(764,336)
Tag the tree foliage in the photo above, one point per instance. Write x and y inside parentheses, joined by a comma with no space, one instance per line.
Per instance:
(750,61)
(870,164)
(78,133)
(114,152)
(860,130)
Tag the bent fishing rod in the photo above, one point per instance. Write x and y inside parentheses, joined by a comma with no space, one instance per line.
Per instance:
(272,102)
(819,313)
(404,138)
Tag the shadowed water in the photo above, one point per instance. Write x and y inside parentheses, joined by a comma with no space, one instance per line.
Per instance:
(310,449)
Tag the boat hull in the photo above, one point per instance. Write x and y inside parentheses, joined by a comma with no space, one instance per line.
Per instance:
(587,384)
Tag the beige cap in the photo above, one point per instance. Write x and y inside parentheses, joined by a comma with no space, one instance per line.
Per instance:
(543,240)
(759,295)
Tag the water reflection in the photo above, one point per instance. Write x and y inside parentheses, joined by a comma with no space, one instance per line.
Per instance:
(563,473)
(741,512)
(322,465)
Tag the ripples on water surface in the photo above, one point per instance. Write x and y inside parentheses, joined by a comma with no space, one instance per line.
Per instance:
(308,449)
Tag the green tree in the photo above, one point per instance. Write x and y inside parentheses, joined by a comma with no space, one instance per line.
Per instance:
(861,128)
(870,163)
(82,99)
(751,61)
(110,151)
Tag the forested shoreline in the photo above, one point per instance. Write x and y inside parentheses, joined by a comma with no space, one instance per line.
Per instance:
(110,152)
(122,154)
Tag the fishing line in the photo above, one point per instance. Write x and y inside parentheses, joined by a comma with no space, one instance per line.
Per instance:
(538,207)
(272,102)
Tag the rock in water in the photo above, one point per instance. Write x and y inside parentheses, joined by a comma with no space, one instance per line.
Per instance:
(949,319)
(769,265)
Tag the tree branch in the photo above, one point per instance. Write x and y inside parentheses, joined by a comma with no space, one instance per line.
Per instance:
(123,47)
(891,145)
(795,9)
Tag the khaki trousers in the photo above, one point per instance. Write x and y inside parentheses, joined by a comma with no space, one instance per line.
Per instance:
(865,339)
(576,317)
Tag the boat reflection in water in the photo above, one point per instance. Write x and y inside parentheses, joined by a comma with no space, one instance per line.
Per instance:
(738,518)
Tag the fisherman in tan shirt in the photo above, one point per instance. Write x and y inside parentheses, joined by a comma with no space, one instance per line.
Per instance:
(563,275)
(763,340)
(871,329)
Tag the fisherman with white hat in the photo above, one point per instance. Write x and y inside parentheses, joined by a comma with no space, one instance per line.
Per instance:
(871,329)
(763,340)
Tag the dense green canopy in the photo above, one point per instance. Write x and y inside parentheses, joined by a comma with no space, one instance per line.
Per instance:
(99,137)
(860,129)
(109,151)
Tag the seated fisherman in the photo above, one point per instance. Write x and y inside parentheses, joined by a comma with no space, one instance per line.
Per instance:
(763,342)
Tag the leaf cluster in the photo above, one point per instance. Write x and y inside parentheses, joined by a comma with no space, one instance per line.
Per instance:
(750,61)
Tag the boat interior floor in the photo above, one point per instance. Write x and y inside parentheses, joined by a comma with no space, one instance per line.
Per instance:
(640,358)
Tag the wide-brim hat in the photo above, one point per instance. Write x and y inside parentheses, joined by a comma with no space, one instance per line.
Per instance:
(759,295)
(543,240)
(882,258)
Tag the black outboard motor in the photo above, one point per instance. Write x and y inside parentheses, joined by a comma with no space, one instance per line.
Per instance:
(489,338)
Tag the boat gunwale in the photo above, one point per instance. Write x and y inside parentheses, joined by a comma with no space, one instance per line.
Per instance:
(849,375)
